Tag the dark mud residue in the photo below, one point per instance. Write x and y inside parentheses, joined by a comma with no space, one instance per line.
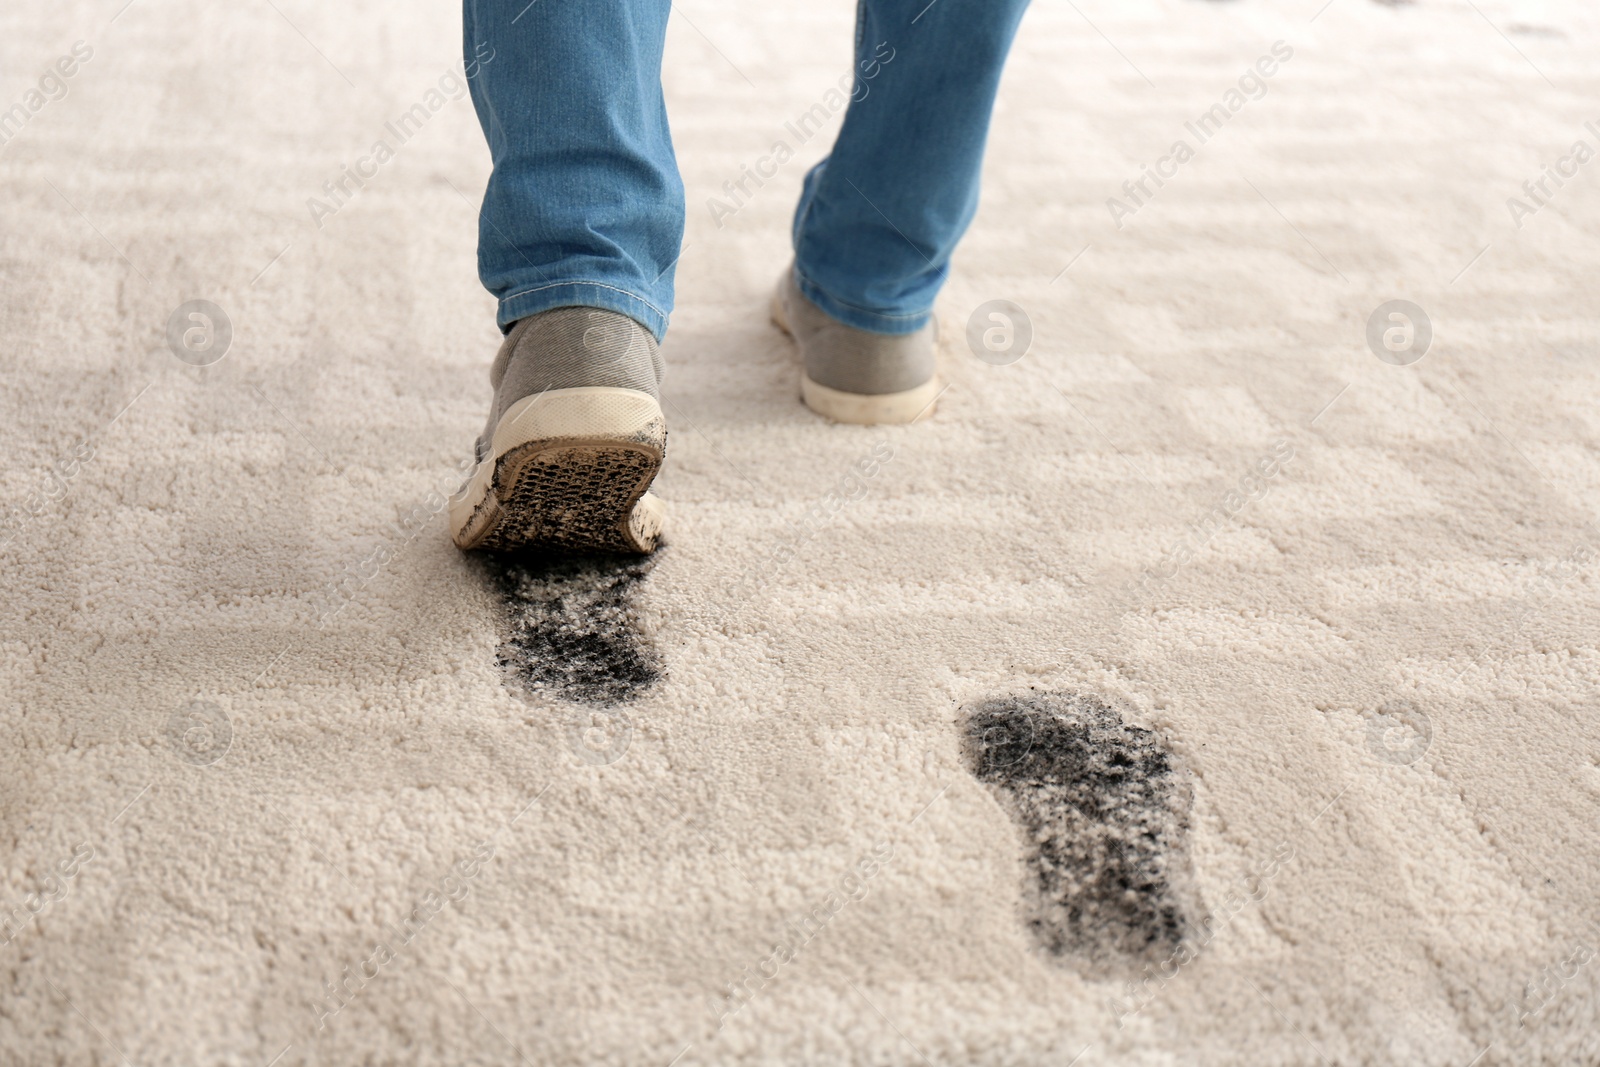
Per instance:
(1104,816)
(571,626)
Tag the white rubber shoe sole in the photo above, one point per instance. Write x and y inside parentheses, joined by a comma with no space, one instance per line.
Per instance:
(861,409)
(864,409)
(568,469)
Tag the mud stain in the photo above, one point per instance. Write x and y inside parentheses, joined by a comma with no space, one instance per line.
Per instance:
(1104,816)
(571,628)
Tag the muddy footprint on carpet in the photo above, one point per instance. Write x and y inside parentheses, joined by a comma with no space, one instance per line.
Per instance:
(1103,812)
(571,627)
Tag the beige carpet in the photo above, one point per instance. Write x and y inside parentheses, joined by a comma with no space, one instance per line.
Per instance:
(1198,689)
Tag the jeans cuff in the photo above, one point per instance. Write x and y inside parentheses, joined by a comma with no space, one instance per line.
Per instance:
(861,318)
(525,302)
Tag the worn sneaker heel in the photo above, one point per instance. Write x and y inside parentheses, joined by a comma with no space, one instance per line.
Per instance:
(568,468)
(575,438)
(853,375)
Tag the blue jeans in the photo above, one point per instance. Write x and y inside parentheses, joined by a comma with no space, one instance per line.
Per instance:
(585,205)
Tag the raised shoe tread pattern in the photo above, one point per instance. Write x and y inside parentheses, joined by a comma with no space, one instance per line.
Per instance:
(571,493)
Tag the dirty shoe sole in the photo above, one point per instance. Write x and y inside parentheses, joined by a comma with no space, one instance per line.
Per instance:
(568,469)
(862,409)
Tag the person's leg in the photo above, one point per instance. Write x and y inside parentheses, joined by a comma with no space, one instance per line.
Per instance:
(580,229)
(879,218)
(585,204)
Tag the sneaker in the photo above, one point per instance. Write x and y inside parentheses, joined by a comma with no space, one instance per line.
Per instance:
(574,439)
(855,375)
